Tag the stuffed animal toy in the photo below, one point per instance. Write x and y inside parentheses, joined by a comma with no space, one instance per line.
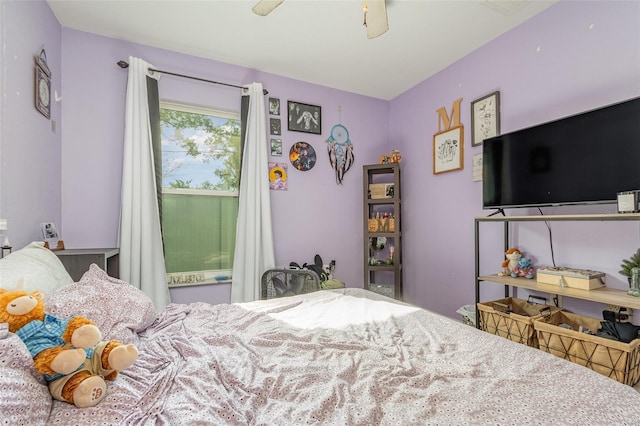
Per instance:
(512,256)
(523,269)
(69,353)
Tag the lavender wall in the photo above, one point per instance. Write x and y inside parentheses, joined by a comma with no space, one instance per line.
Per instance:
(575,69)
(29,149)
(76,181)
(315,215)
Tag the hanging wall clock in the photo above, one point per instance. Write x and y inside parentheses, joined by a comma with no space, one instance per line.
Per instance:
(302,156)
(43,85)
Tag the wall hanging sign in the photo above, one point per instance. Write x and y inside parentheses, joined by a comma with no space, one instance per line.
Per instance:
(278,176)
(43,85)
(340,150)
(485,118)
(304,118)
(302,156)
(448,150)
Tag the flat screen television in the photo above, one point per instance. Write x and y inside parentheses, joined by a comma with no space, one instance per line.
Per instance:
(582,159)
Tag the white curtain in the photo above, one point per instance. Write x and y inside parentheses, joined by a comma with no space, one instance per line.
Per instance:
(254,237)
(140,238)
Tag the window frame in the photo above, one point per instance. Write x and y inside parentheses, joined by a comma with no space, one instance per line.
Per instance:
(204,277)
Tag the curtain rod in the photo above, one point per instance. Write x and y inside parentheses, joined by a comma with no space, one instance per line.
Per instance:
(123,64)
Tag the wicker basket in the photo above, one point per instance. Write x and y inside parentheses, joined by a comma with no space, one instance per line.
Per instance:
(513,319)
(617,360)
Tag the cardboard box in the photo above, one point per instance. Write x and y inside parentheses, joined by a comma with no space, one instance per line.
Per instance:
(584,279)
(381,190)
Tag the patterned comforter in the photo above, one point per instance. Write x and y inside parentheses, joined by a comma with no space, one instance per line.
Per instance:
(344,357)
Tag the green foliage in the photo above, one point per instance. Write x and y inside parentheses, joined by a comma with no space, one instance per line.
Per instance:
(223,144)
(628,264)
(180,184)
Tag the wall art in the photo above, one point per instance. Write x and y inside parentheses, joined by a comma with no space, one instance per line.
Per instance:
(302,156)
(304,118)
(276,147)
(485,118)
(448,150)
(278,176)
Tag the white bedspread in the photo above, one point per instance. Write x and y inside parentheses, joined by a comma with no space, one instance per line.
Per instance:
(345,357)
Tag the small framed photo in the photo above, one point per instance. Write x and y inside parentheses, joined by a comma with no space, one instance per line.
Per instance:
(448,150)
(274,106)
(51,236)
(274,124)
(276,147)
(304,117)
(485,118)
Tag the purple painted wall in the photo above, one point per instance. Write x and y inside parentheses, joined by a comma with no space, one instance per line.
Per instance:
(29,150)
(313,216)
(575,69)
(76,181)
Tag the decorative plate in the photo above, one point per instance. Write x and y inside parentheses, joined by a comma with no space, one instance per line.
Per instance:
(302,156)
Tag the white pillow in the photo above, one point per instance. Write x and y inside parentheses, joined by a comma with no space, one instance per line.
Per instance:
(39,266)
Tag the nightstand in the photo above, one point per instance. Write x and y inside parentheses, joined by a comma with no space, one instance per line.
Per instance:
(77,261)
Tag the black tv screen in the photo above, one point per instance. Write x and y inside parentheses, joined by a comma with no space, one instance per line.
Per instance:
(582,159)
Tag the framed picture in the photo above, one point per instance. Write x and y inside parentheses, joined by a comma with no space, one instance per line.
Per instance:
(448,150)
(274,106)
(485,118)
(278,176)
(276,147)
(274,124)
(51,236)
(304,118)
(43,85)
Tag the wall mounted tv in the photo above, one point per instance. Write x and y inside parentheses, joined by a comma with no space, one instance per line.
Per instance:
(582,159)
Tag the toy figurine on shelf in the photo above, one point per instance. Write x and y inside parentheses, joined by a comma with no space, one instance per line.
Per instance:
(394,157)
(523,269)
(512,255)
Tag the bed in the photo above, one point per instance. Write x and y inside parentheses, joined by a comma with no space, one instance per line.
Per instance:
(331,357)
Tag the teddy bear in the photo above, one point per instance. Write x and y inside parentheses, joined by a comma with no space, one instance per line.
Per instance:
(69,353)
(509,264)
(523,269)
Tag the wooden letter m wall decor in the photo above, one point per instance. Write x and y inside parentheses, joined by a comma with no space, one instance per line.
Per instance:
(452,121)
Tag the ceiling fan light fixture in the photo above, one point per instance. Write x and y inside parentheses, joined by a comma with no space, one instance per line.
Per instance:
(375,18)
(265,7)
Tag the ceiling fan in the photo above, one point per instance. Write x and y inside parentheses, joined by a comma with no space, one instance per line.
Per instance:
(375,14)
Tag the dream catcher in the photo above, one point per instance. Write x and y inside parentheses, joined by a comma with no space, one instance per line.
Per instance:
(340,151)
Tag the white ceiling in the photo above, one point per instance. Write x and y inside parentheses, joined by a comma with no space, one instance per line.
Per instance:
(317,41)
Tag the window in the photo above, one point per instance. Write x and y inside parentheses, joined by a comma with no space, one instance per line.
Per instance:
(200,181)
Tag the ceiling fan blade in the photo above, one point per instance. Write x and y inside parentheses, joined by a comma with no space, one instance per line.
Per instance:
(376,18)
(265,7)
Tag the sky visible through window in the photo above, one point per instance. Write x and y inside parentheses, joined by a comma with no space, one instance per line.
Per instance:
(177,165)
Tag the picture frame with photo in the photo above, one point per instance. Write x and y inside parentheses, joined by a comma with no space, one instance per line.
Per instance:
(276,147)
(274,106)
(448,150)
(304,117)
(50,236)
(485,118)
(278,176)
(275,126)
